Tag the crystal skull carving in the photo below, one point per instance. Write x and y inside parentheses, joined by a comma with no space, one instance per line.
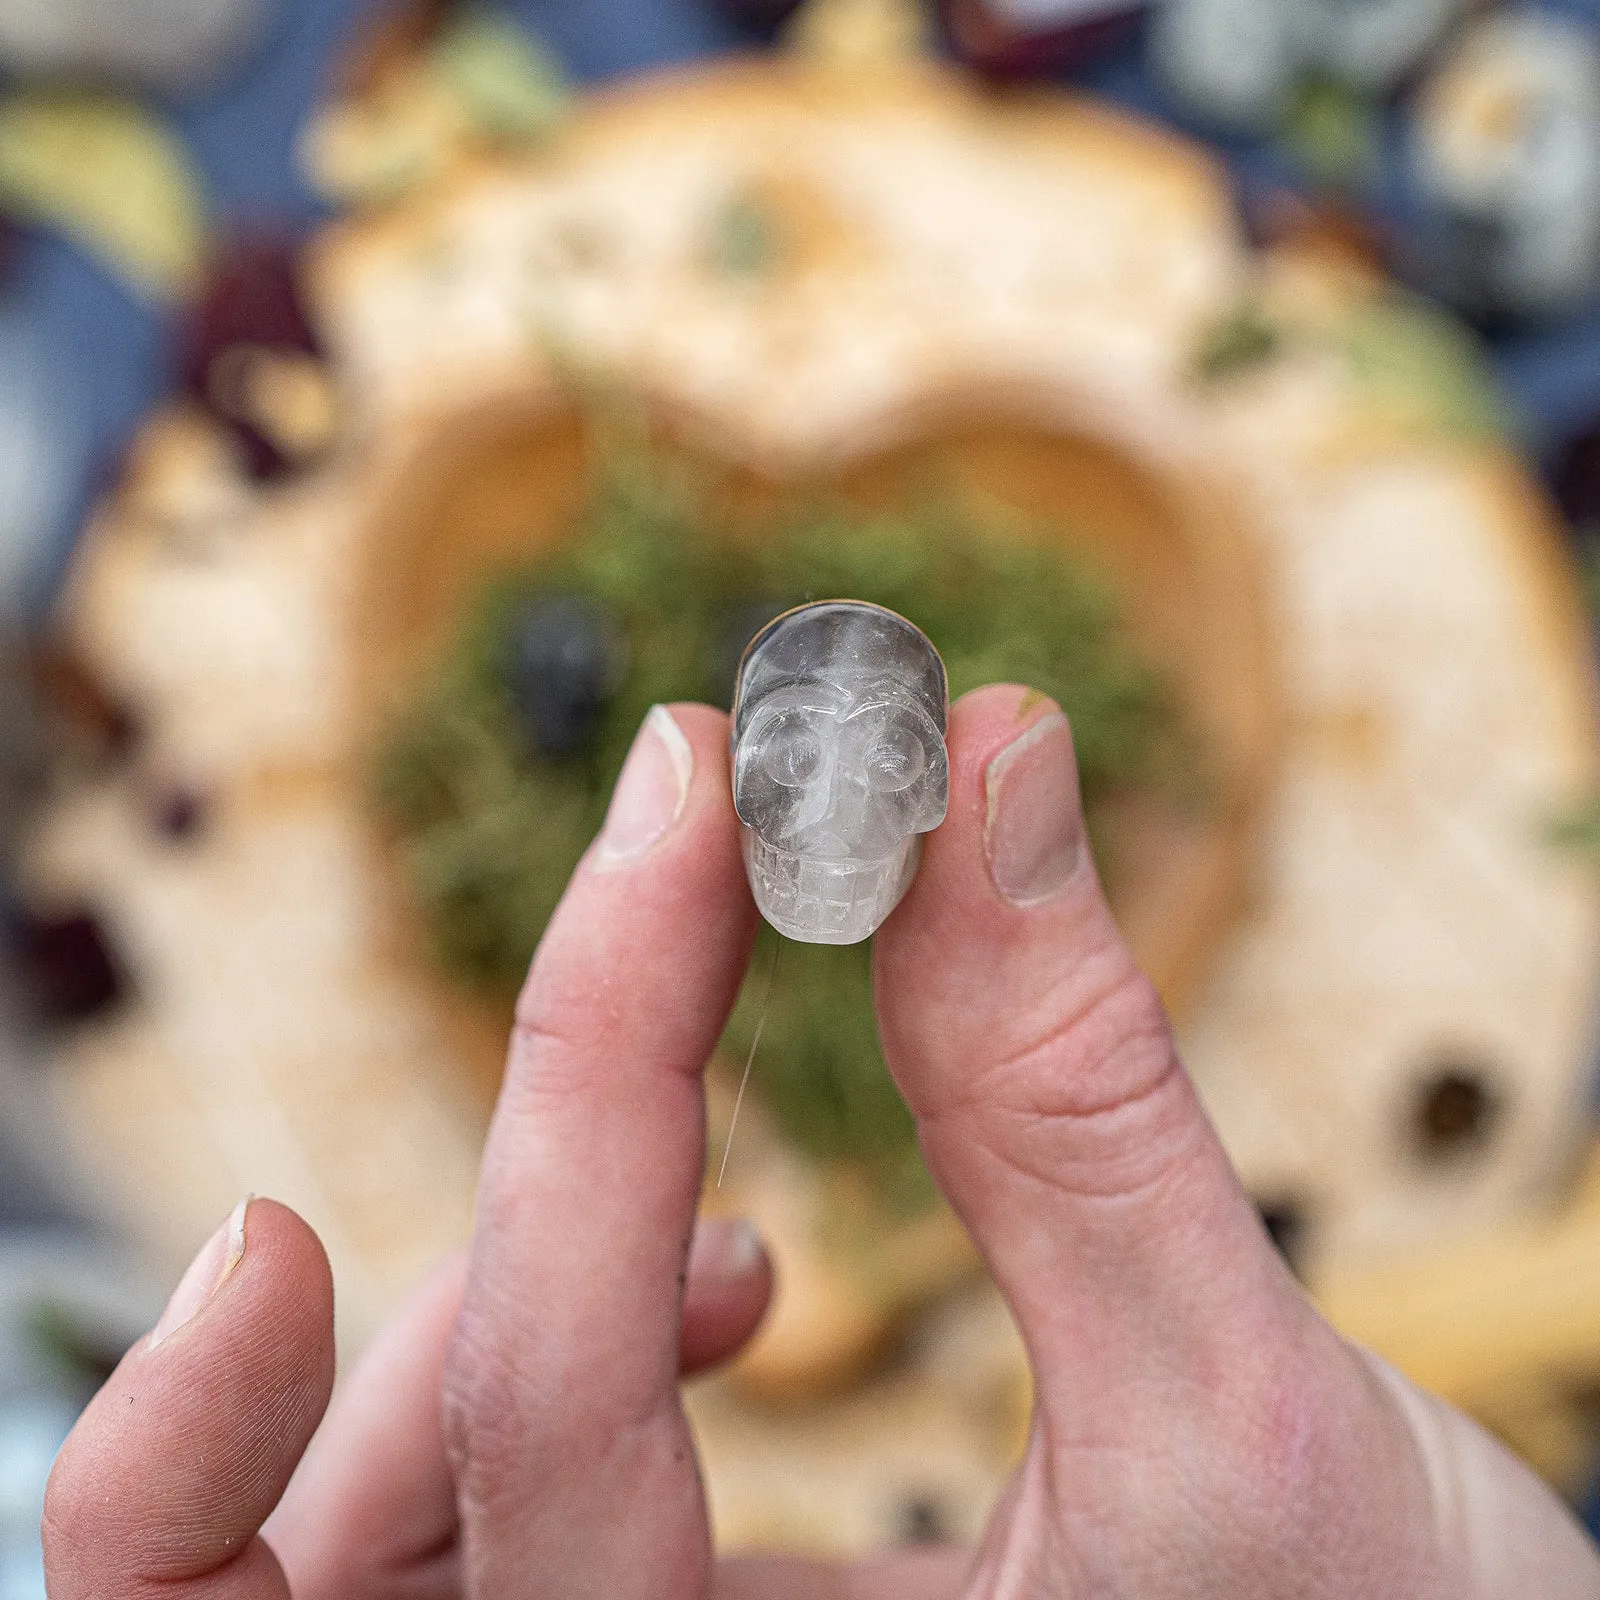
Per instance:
(839,765)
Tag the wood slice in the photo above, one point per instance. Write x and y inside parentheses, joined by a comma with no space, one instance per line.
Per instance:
(1368,612)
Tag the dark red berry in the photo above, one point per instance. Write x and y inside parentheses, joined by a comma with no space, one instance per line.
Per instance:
(1456,1110)
(179,815)
(252,297)
(922,1520)
(64,966)
(763,18)
(990,44)
(251,303)
(1576,481)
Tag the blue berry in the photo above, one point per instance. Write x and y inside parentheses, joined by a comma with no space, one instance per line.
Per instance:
(564,655)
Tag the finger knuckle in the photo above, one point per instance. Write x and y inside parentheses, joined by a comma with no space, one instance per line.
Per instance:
(1094,1100)
(1099,1047)
(482,1442)
(547,1062)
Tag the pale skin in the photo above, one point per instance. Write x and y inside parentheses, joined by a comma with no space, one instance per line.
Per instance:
(516,1431)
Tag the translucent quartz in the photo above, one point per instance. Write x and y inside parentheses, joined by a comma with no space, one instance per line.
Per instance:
(839,765)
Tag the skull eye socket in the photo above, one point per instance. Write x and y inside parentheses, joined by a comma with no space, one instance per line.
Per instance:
(895,760)
(791,753)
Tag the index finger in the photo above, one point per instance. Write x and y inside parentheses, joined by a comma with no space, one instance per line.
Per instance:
(573,1459)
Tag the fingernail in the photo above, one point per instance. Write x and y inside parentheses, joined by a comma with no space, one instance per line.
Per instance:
(650,792)
(1033,829)
(723,1249)
(209,1270)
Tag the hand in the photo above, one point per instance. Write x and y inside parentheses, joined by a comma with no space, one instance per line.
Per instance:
(1198,1431)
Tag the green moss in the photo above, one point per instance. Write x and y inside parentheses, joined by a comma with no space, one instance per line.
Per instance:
(491,831)
(1403,349)
(1576,829)
(1247,338)
(510,87)
(1397,347)
(744,240)
(81,1357)
(819,1068)
(1333,132)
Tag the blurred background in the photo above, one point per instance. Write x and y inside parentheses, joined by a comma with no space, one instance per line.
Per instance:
(1435,161)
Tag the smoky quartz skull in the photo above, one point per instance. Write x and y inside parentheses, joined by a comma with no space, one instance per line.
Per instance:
(839,765)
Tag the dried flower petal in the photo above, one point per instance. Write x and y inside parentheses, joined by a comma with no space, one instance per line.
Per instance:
(105,171)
